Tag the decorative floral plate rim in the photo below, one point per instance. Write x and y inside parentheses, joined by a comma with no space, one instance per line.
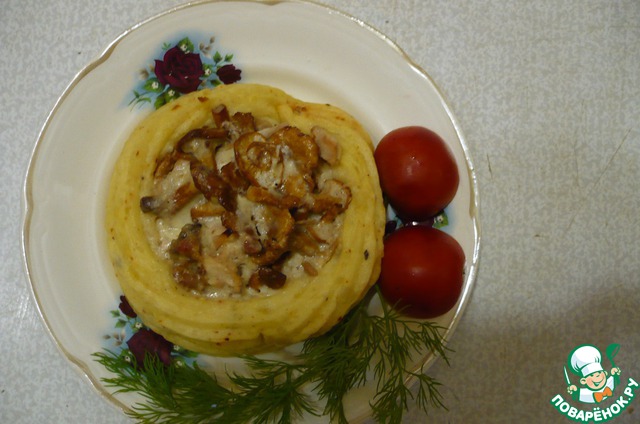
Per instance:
(37,232)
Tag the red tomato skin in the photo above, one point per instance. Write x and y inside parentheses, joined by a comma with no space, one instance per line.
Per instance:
(418,172)
(422,271)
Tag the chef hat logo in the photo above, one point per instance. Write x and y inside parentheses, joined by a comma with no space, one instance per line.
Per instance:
(585,360)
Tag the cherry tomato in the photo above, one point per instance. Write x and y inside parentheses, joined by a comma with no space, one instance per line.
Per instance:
(418,172)
(422,271)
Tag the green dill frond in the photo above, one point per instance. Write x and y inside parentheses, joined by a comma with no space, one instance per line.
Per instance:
(272,393)
(428,395)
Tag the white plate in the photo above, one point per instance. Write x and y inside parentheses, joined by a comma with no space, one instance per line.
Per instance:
(312,52)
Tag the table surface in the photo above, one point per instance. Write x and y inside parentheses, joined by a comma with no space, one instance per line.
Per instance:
(547,94)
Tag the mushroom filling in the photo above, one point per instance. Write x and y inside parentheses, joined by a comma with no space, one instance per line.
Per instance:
(241,206)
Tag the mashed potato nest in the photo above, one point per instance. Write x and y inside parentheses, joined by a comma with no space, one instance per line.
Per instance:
(203,310)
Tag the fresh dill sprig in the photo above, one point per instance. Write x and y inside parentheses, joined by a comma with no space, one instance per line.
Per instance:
(173,394)
(342,357)
(361,346)
(338,361)
(272,393)
(399,339)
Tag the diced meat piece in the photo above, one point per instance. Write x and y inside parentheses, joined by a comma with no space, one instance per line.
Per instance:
(327,144)
(333,199)
(188,242)
(190,274)
(220,115)
(270,226)
(223,274)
